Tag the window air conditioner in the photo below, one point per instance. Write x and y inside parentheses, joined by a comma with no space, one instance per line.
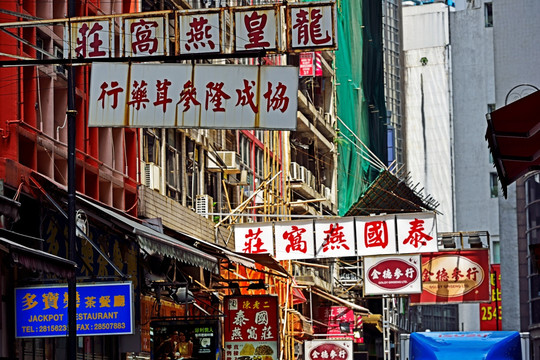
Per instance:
(204,204)
(59,54)
(151,176)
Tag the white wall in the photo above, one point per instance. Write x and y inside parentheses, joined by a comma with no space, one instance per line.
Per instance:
(427,112)
(473,89)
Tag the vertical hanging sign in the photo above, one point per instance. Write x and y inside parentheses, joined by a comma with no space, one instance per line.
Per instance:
(251,327)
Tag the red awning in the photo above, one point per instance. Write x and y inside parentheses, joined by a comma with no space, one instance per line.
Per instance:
(514,138)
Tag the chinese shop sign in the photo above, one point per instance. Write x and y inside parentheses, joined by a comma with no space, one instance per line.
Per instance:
(491,312)
(310,27)
(193,96)
(176,339)
(294,240)
(376,235)
(256,28)
(328,350)
(336,319)
(251,328)
(334,238)
(251,239)
(454,277)
(416,233)
(346,236)
(398,274)
(102,309)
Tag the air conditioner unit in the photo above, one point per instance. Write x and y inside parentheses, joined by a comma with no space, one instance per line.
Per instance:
(295,173)
(229,158)
(204,204)
(151,176)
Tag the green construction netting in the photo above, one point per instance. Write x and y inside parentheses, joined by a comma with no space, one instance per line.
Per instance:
(360,97)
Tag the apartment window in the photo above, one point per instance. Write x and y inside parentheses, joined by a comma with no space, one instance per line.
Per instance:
(494,187)
(490,108)
(488,14)
(151,147)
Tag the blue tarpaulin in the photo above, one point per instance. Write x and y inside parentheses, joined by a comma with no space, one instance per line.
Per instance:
(481,345)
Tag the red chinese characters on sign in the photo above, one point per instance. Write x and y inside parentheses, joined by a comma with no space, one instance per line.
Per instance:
(376,234)
(199,34)
(294,239)
(144,37)
(311,26)
(335,239)
(491,312)
(454,277)
(334,316)
(92,40)
(255,24)
(214,95)
(253,243)
(251,326)
(417,236)
(416,233)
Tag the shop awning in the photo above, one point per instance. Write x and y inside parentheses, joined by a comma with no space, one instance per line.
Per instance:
(38,260)
(230,255)
(340,301)
(514,138)
(373,319)
(269,261)
(155,242)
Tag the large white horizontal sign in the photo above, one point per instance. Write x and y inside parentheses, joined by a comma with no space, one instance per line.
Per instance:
(411,233)
(193,96)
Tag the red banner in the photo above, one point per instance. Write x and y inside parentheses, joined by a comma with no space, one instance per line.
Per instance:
(251,327)
(307,67)
(454,277)
(491,313)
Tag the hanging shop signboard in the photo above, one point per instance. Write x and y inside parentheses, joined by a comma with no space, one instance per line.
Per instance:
(294,240)
(454,277)
(251,239)
(416,233)
(397,274)
(338,321)
(413,233)
(328,350)
(256,28)
(491,312)
(334,238)
(193,96)
(376,235)
(102,309)
(306,65)
(251,328)
(185,339)
(309,26)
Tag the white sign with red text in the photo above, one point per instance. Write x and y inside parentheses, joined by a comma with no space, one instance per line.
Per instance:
(311,26)
(193,96)
(146,37)
(256,28)
(376,235)
(334,238)
(89,39)
(396,274)
(254,238)
(294,240)
(416,233)
(199,32)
